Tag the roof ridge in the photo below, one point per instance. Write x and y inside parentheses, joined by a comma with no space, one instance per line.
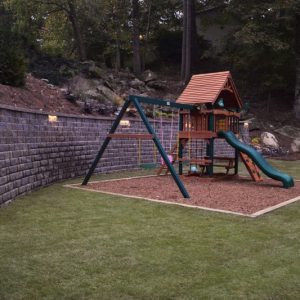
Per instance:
(212,73)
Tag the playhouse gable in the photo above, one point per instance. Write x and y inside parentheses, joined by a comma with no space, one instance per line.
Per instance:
(209,88)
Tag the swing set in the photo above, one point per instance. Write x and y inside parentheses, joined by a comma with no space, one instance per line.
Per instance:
(137,102)
(208,110)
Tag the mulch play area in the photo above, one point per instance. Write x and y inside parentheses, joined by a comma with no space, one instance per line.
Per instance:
(230,194)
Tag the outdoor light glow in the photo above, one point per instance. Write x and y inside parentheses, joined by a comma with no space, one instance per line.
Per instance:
(52,119)
(221,102)
(246,124)
(125,123)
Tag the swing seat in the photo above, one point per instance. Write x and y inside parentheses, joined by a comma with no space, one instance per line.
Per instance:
(170,157)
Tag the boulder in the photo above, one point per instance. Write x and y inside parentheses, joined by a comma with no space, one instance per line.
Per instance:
(88,107)
(125,75)
(136,83)
(254,124)
(70,97)
(110,95)
(269,140)
(79,85)
(295,145)
(95,89)
(149,76)
(157,84)
(289,131)
(131,91)
(96,72)
(170,97)
(92,93)
(106,109)
(92,70)
(67,71)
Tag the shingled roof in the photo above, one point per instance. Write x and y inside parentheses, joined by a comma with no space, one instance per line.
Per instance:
(208,88)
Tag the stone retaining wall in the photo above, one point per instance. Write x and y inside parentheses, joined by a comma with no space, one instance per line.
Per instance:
(35,152)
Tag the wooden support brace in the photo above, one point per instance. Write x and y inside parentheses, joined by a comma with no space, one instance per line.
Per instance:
(197,134)
(141,136)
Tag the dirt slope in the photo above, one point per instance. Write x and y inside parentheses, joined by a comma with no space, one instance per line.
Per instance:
(37,95)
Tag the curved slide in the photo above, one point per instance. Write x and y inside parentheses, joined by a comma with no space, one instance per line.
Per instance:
(271,172)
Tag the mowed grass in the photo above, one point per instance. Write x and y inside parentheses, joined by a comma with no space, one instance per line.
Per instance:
(60,243)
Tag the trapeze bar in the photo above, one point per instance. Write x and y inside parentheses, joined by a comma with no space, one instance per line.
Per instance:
(160,102)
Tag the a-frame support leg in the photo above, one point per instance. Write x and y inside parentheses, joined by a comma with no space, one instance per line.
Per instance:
(160,147)
(105,143)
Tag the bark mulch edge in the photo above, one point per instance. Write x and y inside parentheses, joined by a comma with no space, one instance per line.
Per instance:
(253,215)
(78,186)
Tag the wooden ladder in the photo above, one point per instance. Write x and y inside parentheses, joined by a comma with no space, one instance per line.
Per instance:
(251,167)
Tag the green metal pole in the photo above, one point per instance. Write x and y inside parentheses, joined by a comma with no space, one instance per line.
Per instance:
(161,102)
(210,146)
(105,143)
(180,150)
(160,148)
(237,154)
(236,162)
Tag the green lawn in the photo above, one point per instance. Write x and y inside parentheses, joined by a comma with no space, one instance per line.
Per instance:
(60,243)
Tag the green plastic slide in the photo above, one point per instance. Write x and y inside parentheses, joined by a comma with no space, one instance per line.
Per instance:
(258,159)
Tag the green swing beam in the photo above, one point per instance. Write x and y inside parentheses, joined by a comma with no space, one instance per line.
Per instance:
(136,100)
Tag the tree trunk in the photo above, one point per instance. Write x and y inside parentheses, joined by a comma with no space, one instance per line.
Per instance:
(188,39)
(188,51)
(137,66)
(297,87)
(146,43)
(118,54)
(183,48)
(76,30)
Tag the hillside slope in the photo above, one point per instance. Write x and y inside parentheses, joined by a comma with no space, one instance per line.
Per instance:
(38,95)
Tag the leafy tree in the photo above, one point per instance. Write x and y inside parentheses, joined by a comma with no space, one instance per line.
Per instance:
(28,12)
(56,35)
(12,60)
(260,47)
(115,25)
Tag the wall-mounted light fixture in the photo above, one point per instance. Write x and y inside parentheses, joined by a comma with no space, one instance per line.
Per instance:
(125,123)
(52,118)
